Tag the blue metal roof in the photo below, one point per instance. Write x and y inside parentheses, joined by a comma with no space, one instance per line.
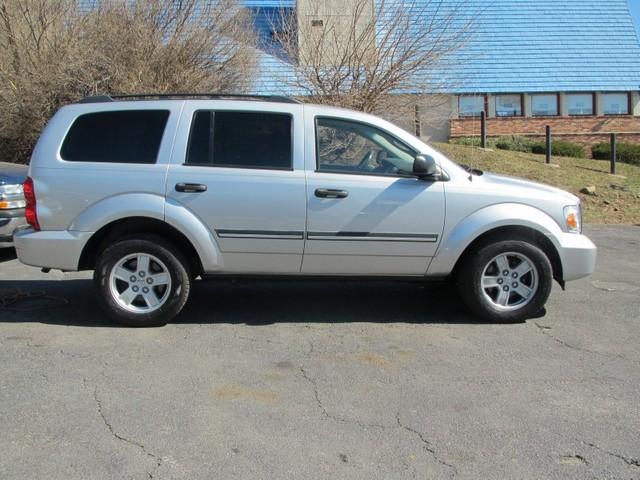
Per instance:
(269,3)
(527,46)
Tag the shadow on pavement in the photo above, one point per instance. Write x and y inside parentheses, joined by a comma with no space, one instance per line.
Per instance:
(7,254)
(250,302)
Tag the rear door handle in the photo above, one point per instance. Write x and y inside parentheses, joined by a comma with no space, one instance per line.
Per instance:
(331,193)
(191,187)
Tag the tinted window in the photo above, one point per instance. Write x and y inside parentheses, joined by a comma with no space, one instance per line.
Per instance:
(241,139)
(354,147)
(131,136)
(201,139)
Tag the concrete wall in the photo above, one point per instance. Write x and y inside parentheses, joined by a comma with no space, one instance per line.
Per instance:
(337,17)
(434,115)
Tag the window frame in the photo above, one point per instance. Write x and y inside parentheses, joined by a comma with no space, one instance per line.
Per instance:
(520,115)
(629,104)
(343,172)
(594,105)
(558,107)
(212,140)
(167,111)
(479,114)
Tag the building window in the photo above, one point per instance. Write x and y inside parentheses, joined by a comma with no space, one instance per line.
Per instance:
(508,105)
(470,105)
(580,104)
(544,105)
(615,103)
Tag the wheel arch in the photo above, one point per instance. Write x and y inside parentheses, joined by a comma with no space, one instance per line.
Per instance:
(128,226)
(502,220)
(515,232)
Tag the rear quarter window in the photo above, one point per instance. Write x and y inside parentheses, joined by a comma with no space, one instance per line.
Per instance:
(128,136)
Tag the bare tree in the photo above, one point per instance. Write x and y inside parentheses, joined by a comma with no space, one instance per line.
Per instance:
(366,54)
(171,46)
(52,53)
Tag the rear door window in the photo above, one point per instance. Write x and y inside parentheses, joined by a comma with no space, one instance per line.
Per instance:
(241,140)
(127,136)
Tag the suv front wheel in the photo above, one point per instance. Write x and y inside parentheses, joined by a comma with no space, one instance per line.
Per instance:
(507,281)
(143,281)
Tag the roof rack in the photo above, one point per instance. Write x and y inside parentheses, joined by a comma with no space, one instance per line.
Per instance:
(170,96)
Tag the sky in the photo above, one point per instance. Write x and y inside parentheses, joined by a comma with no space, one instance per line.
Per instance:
(635,10)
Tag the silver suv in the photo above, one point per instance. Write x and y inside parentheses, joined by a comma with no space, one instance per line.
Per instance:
(152,192)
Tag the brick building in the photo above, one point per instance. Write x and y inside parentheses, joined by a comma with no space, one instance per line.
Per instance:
(571,64)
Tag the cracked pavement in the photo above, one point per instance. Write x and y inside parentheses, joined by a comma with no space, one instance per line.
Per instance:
(320,380)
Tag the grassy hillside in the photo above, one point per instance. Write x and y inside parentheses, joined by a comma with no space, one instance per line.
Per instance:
(616,199)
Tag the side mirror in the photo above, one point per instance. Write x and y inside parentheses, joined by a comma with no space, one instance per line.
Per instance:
(425,168)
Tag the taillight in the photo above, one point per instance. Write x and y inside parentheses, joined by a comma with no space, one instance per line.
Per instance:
(30,210)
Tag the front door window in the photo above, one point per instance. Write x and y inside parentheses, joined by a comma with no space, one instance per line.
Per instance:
(352,147)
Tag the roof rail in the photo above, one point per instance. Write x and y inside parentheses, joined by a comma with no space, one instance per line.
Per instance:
(170,96)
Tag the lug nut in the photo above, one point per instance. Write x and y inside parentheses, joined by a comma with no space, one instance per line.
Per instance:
(149,281)
(505,273)
(145,290)
(141,274)
(135,289)
(505,288)
(500,281)
(133,278)
(515,275)
(515,285)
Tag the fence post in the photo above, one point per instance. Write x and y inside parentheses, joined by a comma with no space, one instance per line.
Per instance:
(483,129)
(416,119)
(548,144)
(614,153)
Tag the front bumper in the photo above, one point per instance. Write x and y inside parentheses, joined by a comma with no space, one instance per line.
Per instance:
(59,250)
(577,255)
(10,221)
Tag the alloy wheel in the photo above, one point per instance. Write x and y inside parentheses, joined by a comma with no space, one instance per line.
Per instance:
(509,281)
(140,283)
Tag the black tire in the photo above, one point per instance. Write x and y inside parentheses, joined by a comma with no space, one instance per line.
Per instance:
(486,303)
(174,295)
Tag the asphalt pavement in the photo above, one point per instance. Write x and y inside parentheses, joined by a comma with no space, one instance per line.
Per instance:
(318,380)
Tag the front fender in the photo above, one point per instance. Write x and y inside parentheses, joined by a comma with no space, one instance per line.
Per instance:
(456,239)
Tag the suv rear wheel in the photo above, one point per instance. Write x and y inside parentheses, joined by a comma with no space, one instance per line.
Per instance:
(143,281)
(507,281)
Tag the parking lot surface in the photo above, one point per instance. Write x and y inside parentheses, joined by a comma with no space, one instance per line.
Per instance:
(317,380)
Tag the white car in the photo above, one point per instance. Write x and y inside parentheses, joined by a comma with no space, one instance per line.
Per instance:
(151,192)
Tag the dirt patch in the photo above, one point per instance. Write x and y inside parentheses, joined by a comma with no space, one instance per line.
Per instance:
(361,358)
(238,392)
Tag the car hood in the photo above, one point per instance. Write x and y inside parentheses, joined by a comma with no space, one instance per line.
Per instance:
(12,174)
(535,189)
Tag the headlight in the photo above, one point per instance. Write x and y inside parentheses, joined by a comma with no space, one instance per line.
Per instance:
(573,218)
(11,196)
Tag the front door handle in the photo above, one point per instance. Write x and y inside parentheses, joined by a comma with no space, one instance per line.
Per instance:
(331,193)
(191,187)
